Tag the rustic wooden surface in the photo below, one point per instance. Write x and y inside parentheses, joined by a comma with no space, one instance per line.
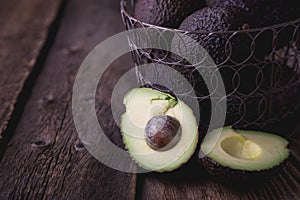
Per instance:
(45,159)
(24,26)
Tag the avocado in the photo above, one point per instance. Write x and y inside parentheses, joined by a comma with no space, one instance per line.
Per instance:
(166,13)
(239,153)
(152,120)
(264,13)
(213,20)
(234,15)
(235,110)
(248,5)
(210,22)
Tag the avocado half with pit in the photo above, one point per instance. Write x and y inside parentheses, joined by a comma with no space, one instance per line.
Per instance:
(241,153)
(148,110)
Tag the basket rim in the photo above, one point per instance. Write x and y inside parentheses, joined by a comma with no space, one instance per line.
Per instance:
(123,9)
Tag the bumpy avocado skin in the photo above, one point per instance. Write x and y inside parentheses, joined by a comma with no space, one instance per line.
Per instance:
(248,5)
(234,110)
(249,101)
(216,19)
(239,114)
(166,13)
(268,13)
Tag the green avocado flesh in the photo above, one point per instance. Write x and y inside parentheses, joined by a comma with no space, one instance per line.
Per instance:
(141,105)
(245,150)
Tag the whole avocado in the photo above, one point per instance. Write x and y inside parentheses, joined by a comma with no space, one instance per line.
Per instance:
(210,21)
(265,13)
(166,13)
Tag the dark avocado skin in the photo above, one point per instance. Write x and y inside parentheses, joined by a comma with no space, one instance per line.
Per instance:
(234,108)
(216,19)
(252,112)
(210,19)
(248,5)
(279,102)
(265,13)
(232,15)
(240,177)
(166,13)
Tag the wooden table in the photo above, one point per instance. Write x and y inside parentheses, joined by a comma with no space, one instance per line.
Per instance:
(42,44)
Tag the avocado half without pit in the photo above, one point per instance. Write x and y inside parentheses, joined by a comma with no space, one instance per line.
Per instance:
(242,154)
(159,130)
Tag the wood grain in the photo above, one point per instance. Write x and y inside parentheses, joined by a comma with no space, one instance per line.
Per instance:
(24,27)
(45,158)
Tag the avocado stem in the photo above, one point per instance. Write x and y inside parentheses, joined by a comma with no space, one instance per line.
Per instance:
(172,101)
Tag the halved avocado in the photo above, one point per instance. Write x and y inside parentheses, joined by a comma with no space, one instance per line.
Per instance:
(142,104)
(241,153)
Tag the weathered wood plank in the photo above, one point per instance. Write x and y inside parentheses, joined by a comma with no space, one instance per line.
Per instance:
(45,158)
(192,182)
(24,27)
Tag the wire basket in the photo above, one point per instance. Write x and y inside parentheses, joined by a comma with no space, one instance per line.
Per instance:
(261,79)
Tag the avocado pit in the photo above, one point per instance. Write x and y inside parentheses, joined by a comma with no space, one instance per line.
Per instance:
(162,132)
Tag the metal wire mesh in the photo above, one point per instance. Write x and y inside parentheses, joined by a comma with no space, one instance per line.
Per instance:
(260,69)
